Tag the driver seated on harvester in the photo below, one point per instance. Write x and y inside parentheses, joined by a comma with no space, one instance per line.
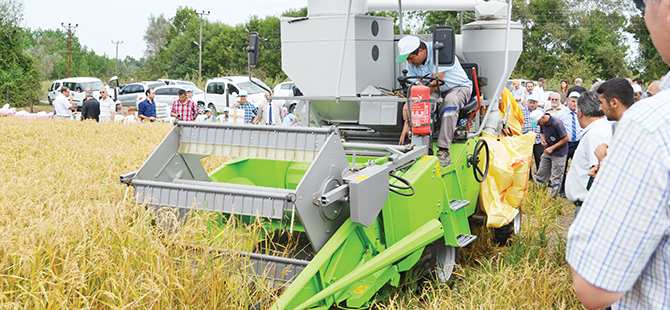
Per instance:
(456,90)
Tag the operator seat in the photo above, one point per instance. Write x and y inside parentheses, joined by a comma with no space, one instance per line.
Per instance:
(472,104)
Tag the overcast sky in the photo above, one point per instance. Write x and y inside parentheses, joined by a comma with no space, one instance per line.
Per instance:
(100,22)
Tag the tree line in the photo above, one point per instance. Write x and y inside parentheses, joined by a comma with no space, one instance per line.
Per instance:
(562,39)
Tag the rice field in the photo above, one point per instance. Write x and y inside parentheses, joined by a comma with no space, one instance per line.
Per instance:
(68,240)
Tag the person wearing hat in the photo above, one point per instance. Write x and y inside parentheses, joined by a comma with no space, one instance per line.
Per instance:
(571,123)
(250,110)
(189,93)
(456,90)
(538,148)
(518,93)
(554,139)
(209,117)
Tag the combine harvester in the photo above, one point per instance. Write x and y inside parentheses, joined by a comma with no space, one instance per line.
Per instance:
(370,209)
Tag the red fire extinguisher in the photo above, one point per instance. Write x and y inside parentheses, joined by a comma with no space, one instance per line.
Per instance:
(420,109)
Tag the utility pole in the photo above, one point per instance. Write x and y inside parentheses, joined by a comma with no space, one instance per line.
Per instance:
(200,44)
(68,60)
(116,66)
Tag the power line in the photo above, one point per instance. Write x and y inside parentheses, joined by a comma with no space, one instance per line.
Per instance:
(70,32)
(200,44)
(116,64)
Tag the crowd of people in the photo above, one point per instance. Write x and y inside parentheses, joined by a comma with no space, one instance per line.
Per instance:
(184,108)
(616,135)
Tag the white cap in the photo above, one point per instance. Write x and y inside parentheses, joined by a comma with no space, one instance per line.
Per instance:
(637,88)
(243,93)
(533,97)
(407,45)
(574,94)
(535,117)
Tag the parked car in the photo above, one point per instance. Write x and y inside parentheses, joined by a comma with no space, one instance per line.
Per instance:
(223,92)
(169,93)
(132,94)
(287,89)
(77,86)
(54,90)
(178,82)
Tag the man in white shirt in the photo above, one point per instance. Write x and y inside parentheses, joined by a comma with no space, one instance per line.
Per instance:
(63,104)
(518,92)
(107,106)
(539,91)
(268,113)
(596,131)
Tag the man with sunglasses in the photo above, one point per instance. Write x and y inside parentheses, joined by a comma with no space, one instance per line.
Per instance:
(107,106)
(619,246)
(556,105)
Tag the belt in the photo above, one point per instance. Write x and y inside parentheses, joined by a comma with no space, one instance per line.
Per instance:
(573,142)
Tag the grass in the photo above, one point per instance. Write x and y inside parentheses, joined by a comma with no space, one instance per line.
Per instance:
(69,241)
(529,273)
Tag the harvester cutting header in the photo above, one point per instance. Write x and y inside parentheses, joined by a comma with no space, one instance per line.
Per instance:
(371,209)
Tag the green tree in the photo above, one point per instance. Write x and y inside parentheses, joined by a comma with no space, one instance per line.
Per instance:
(18,71)
(649,63)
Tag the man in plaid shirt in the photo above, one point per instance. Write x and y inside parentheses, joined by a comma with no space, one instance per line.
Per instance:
(183,108)
(619,245)
(250,110)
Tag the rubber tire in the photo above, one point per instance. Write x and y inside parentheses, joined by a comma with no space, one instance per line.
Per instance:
(201,106)
(447,257)
(502,234)
(213,108)
(436,256)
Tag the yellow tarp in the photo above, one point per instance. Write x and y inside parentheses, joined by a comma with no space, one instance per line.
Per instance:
(509,106)
(507,181)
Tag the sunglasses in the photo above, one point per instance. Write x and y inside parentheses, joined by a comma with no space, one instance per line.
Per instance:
(552,99)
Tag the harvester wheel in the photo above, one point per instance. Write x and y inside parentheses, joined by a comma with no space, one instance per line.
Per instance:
(439,259)
(446,260)
(502,234)
(480,175)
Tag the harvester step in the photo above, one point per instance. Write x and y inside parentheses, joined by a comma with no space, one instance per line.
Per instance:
(464,240)
(458,204)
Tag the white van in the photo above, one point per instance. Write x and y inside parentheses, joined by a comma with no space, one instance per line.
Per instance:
(223,92)
(78,85)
